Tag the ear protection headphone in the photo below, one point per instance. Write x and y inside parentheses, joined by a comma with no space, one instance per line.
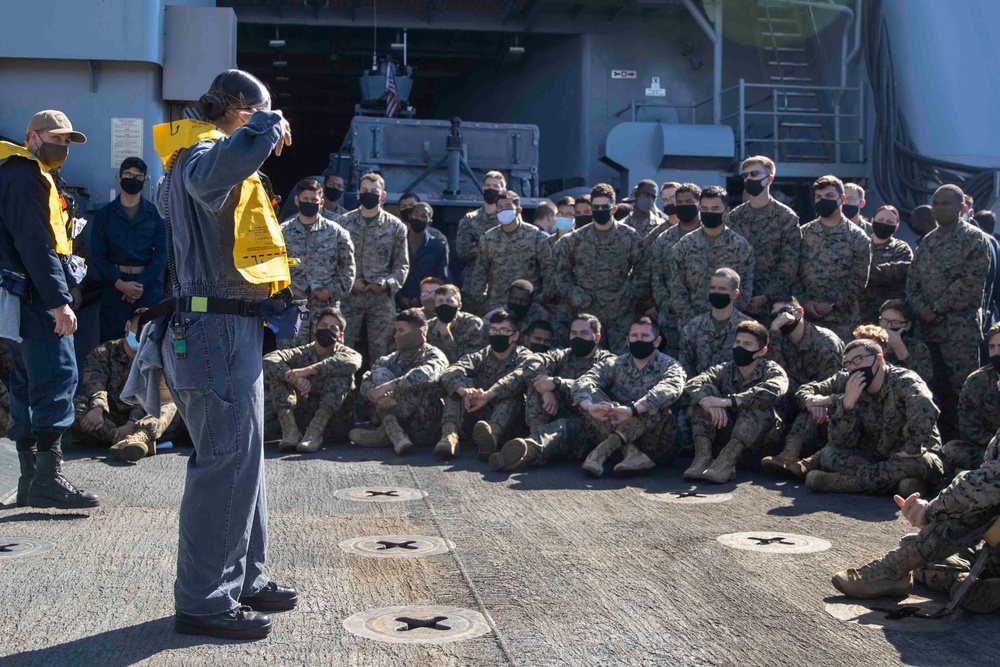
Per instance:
(212,105)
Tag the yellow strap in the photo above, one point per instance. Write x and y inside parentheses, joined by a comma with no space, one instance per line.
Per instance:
(171,138)
(58,217)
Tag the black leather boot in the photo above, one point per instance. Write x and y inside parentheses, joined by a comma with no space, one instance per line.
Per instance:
(49,489)
(26,457)
(240,623)
(272,598)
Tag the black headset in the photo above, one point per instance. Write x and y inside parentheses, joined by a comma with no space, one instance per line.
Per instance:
(212,105)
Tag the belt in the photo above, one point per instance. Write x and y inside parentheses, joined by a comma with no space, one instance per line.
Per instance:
(201,304)
(130,270)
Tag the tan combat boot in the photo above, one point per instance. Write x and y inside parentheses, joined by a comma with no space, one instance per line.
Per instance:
(783,462)
(484,434)
(133,447)
(400,441)
(890,575)
(702,457)
(634,463)
(594,463)
(514,454)
(803,467)
(370,437)
(724,468)
(833,482)
(290,434)
(313,439)
(447,446)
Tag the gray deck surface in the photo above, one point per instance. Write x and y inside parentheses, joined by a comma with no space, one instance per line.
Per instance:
(570,571)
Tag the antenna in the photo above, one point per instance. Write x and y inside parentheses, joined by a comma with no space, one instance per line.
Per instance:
(374,36)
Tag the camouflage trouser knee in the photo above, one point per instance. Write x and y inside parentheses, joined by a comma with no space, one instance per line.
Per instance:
(876,474)
(758,430)
(164,427)
(503,412)
(963,455)
(563,439)
(536,416)
(655,435)
(378,312)
(104,435)
(807,431)
(417,409)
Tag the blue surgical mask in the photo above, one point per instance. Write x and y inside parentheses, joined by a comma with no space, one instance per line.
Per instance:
(132,341)
(564,225)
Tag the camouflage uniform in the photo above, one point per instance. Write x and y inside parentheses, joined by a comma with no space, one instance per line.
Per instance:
(900,418)
(504,257)
(655,272)
(483,370)
(644,226)
(864,225)
(336,216)
(706,341)
(660,383)
(467,334)
(978,420)
(326,259)
(693,261)
(414,377)
(776,238)
(471,229)
(833,267)
(332,387)
(948,274)
(886,277)
(757,422)
(101,382)
(918,360)
(381,256)
(597,272)
(566,366)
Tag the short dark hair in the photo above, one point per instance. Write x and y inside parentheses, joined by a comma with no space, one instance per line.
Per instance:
(647,181)
(755,329)
(713,191)
(828,181)
(522,284)
(595,324)
(787,298)
(582,199)
(511,196)
(308,185)
(414,316)
(645,321)
(410,195)
(566,201)
(335,313)
(866,343)
(689,187)
(987,221)
(136,314)
(602,190)
(133,163)
(730,275)
(992,331)
(539,324)
(544,208)
(499,316)
(897,304)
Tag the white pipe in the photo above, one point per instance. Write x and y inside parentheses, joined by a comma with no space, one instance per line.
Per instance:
(699,18)
(404,48)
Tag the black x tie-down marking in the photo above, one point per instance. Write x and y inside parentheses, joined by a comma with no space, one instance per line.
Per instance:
(764,541)
(8,548)
(688,494)
(414,623)
(899,613)
(386,544)
(372,494)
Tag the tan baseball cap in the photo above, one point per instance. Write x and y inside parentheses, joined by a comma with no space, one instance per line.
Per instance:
(55,122)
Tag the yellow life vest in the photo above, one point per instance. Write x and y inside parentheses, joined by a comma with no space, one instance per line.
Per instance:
(259,248)
(58,216)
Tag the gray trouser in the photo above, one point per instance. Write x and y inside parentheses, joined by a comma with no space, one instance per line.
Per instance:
(219,391)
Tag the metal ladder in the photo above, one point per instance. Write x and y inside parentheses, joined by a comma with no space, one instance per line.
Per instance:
(781,42)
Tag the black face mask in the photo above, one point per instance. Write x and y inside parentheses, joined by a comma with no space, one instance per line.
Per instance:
(490,196)
(869,374)
(518,310)
(404,214)
(446,312)
(418,226)
(825,208)
(332,195)
(325,337)
(640,349)
(743,357)
(581,347)
(539,348)
(719,300)
(369,200)
(711,220)
(132,186)
(687,212)
(670,209)
(602,217)
(582,220)
(500,342)
(754,188)
(883,230)
(790,327)
(995,360)
(52,155)
(308,208)
(850,210)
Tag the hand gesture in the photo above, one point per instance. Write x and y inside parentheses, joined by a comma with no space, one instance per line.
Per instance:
(855,385)
(543,384)
(914,509)
(620,414)
(719,417)
(780,320)
(92,420)
(601,411)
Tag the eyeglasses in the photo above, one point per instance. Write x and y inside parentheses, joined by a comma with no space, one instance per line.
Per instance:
(141,179)
(596,207)
(500,332)
(754,174)
(851,364)
(891,324)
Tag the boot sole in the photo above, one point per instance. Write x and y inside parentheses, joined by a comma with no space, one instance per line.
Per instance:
(638,472)
(507,459)
(284,605)
(190,628)
(52,504)
(777,468)
(881,594)
(133,453)
(593,473)
(485,442)
(402,449)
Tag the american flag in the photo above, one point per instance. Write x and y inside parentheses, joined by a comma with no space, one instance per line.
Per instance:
(391,97)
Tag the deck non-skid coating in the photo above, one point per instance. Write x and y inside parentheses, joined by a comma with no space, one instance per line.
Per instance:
(427,624)
(565,570)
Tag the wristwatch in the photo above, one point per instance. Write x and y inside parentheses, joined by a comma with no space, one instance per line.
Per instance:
(557,382)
